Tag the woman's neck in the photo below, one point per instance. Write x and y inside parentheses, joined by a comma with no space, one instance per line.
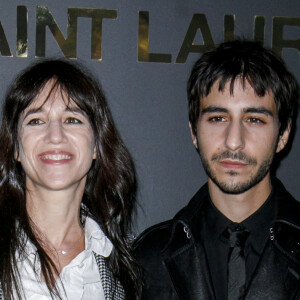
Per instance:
(55,214)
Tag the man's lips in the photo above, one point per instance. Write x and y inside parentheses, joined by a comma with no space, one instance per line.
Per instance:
(233,164)
(55,157)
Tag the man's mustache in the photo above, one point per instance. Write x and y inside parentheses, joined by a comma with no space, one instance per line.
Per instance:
(240,156)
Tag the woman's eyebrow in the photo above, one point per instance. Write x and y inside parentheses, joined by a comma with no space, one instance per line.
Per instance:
(32,111)
(75,109)
(40,109)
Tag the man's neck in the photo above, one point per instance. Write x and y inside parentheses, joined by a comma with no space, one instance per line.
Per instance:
(238,207)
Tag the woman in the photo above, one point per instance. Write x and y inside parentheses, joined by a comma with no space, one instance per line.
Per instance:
(67,190)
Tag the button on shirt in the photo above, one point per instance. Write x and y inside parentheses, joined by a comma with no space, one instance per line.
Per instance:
(80,279)
(216,245)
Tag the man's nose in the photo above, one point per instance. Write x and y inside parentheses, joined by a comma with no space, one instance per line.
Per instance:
(235,139)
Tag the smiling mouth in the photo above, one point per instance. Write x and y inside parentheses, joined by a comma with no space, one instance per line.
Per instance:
(55,157)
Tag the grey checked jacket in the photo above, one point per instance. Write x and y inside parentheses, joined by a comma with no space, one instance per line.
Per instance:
(113,289)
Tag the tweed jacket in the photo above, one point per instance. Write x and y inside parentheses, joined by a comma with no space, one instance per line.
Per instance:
(112,288)
(175,264)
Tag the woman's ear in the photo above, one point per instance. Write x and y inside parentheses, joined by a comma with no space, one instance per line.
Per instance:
(16,156)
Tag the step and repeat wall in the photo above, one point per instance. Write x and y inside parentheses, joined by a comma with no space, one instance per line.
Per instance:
(142,52)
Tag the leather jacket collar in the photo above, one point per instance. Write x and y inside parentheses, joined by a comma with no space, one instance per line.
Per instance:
(185,247)
(287,213)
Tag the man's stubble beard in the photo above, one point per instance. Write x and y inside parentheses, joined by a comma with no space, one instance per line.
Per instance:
(238,187)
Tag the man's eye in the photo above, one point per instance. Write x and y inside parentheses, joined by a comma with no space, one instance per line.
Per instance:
(35,122)
(255,121)
(72,121)
(217,119)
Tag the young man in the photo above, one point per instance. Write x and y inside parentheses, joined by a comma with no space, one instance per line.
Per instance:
(239,237)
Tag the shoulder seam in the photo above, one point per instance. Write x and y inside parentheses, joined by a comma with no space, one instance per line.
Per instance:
(140,238)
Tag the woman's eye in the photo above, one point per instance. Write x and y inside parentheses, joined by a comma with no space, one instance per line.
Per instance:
(35,122)
(72,121)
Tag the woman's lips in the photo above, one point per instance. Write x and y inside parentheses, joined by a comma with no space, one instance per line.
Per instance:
(232,164)
(55,157)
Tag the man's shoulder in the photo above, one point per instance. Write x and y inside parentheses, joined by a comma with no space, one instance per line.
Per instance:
(156,238)
(149,251)
(288,208)
(153,240)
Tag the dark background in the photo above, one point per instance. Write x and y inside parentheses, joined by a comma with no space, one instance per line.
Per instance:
(148,99)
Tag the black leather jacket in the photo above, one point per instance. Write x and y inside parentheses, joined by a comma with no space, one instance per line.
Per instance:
(174,262)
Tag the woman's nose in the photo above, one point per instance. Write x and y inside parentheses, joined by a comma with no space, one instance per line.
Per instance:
(55,133)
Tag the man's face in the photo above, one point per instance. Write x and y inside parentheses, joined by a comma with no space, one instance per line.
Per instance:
(237,137)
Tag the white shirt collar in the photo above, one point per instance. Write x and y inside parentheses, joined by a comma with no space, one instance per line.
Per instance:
(80,279)
(95,240)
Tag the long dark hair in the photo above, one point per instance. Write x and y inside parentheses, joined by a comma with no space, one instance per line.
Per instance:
(110,186)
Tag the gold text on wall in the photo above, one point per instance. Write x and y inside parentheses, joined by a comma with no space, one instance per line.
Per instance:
(198,23)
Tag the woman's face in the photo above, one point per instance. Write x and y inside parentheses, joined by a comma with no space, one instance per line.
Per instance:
(56,142)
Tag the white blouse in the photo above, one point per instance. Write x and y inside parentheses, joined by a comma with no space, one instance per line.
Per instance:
(80,279)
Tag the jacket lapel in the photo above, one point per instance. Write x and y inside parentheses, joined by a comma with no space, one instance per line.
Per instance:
(276,278)
(184,254)
(111,287)
(189,272)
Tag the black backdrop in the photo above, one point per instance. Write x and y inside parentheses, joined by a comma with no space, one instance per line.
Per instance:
(142,52)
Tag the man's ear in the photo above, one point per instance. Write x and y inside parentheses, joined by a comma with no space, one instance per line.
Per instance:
(283,138)
(194,137)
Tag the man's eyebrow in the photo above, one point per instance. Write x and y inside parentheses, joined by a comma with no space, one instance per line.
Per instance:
(213,109)
(259,110)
